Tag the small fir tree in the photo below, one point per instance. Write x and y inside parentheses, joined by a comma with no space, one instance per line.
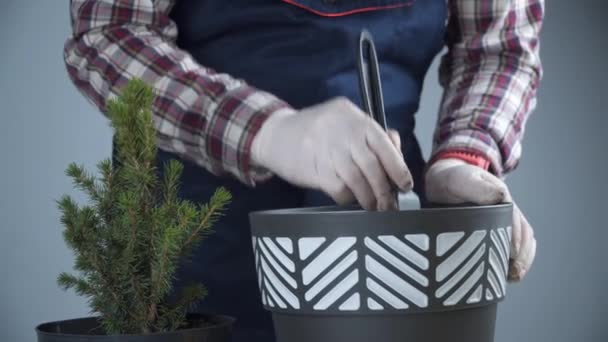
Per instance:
(130,237)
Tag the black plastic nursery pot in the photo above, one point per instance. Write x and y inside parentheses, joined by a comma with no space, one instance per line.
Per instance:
(203,328)
(333,274)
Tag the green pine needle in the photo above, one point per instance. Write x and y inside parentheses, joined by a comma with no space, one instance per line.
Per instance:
(130,240)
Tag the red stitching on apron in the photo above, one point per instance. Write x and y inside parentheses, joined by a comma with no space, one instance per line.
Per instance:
(341,14)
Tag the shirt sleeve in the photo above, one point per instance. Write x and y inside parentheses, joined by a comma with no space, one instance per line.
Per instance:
(201,115)
(490,74)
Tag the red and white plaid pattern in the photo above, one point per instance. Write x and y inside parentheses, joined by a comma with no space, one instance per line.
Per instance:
(490,75)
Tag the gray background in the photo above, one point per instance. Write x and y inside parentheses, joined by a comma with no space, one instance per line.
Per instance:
(560,185)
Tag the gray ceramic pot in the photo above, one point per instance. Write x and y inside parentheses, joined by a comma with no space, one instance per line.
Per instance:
(334,274)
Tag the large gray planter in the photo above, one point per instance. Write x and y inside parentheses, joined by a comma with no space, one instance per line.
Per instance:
(334,274)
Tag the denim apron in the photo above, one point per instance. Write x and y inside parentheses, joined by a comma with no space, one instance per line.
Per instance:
(304,52)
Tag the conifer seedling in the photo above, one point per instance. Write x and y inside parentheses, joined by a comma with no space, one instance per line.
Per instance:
(130,237)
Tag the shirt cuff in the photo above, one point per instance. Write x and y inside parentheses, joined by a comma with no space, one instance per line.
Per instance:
(466,156)
(245,119)
(473,142)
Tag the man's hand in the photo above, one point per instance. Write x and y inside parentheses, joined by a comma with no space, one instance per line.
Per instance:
(453,181)
(334,147)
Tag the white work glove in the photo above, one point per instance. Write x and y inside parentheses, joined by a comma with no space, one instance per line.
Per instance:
(453,181)
(336,148)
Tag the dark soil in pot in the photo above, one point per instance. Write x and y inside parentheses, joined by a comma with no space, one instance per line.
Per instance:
(201,328)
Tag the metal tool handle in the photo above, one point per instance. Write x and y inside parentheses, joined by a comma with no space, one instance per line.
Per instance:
(373,103)
(369,79)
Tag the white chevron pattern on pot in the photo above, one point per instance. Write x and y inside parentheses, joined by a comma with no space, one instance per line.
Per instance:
(396,271)
(329,273)
(461,268)
(276,272)
(499,262)
(385,272)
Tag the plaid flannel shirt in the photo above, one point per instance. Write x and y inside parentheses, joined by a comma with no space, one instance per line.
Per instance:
(489,73)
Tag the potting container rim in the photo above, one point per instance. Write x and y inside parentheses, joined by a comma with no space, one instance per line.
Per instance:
(355,210)
(222,321)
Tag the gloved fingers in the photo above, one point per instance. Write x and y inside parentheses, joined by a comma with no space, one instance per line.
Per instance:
(371,168)
(395,139)
(352,176)
(332,184)
(527,258)
(523,249)
(516,237)
(340,192)
(437,191)
(519,268)
(503,194)
(472,184)
(390,158)
(516,232)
